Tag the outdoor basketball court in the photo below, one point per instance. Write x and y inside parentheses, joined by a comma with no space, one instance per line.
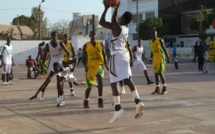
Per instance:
(188,108)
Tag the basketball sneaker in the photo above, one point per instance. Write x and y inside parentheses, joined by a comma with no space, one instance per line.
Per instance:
(150,82)
(117,115)
(72,93)
(157,91)
(164,91)
(139,110)
(86,103)
(61,102)
(4,83)
(100,103)
(42,96)
(10,83)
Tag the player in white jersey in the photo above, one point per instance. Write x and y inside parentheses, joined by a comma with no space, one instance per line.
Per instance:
(54,49)
(119,62)
(138,64)
(64,72)
(7,61)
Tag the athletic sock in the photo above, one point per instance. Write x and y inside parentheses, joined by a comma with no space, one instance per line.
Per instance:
(135,94)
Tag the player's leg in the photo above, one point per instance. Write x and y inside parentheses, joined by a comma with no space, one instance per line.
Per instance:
(61,97)
(100,91)
(137,100)
(116,98)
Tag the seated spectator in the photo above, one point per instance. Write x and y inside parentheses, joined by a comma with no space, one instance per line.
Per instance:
(31,64)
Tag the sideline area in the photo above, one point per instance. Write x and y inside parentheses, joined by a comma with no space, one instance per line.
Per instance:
(188,108)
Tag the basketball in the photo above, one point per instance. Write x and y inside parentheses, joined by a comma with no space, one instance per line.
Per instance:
(113,2)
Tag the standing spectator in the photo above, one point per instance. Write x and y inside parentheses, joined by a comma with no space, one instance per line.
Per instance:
(201,56)
(31,65)
(174,51)
(40,51)
(194,50)
(79,55)
(7,61)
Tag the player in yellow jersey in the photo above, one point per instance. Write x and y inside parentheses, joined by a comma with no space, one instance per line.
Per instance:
(159,55)
(93,57)
(70,48)
(211,54)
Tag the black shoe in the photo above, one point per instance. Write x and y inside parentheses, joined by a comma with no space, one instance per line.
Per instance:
(164,91)
(100,103)
(157,91)
(86,104)
(150,82)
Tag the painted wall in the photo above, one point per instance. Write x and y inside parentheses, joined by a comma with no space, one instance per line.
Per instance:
(22,49)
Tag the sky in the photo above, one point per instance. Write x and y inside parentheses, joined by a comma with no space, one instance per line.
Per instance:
(55,10)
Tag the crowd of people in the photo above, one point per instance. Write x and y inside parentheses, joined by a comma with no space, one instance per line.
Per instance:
(58,58)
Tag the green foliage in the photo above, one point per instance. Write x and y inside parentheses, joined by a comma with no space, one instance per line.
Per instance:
(21,20)
(4,35)
(148,25)
(194,24)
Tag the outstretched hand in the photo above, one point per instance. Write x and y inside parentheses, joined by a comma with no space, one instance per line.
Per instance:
(33,97)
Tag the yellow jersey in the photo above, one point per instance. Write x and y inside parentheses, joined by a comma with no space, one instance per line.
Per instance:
(68,46)
(212,48)
(157,51)
(94,54)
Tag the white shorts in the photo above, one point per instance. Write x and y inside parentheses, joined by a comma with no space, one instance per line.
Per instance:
(7,69)
(138,65)
(119,67)
(69,77)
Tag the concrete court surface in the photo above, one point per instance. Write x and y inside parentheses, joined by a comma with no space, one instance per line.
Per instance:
(188,108)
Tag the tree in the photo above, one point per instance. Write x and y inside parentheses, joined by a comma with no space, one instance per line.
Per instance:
(149,24)
(9,32)
(62,27)
(202,23)
(34,23)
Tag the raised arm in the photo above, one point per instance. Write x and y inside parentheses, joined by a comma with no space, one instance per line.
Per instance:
(103,21)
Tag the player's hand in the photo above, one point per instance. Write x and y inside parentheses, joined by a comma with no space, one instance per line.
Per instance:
(107,67)
(116,7)
(106,4)
(33,97)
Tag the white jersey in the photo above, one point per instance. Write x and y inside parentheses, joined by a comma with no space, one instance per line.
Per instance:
(138,53)
(6,52)
(55,53)
(117,44)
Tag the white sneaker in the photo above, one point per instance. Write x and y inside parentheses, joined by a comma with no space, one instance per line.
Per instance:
(42,96)
(61,101)
(61,104)
(117,115)
(122,91)
(139,110)
(10,83)
(4,83)
(72,93)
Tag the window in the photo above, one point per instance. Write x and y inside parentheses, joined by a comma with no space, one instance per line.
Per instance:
(135,36)
(135,18)
(150,15)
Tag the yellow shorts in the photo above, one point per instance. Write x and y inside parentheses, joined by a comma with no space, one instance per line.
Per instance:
(211,58)
(92,73)
(159,68)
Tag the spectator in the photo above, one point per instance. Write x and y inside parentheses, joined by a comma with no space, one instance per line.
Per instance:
(30,63)
(174,51)
(201,56)
(194,50)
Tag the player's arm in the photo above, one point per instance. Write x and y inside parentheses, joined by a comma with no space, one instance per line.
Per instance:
(103,21)
(164,49)
(84,56)
(104,56)
(73,51)
(134,49)
(65,49)
(143,55)
(44,85)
